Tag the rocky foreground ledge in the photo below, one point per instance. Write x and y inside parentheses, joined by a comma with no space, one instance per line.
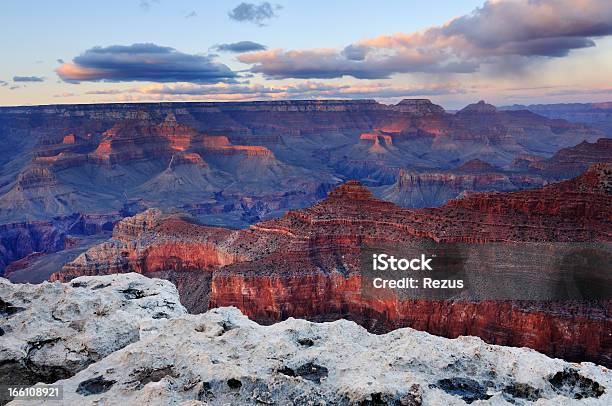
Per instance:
(142,348)
(52,331)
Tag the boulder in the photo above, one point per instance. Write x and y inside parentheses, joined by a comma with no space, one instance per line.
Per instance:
(51,331)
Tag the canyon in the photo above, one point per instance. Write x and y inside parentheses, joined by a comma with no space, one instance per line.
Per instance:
(271,207)
(235,164)
(308,263)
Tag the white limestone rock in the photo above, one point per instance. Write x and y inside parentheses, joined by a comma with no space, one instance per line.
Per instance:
(51,331)
(223,358)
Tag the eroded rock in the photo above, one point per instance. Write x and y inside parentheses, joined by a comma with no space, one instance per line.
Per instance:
(221,357)
(53,330)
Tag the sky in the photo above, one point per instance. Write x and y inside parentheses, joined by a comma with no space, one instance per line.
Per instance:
(452,52)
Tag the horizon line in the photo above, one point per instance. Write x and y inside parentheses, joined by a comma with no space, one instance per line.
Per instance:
(278,101)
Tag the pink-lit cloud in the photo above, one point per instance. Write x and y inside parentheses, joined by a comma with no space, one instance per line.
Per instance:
(493,34)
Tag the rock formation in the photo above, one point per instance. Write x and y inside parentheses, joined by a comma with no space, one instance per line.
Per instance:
(51,331)
(18,240)
(432,189)
(598,115)
(307,263)
(569,162)
(248,170)
(225,358)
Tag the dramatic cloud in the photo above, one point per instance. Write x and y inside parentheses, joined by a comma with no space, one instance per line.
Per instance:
(532,27)
(28,79)
(143,62)
(328,63)
(254,13)
(240,47)
(502,33)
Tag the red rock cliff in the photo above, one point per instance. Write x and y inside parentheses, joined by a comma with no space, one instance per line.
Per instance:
(306,264)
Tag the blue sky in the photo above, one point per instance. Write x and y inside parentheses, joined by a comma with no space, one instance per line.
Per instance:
(306,54)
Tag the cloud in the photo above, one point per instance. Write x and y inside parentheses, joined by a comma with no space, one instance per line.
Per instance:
(329,63)
(3,83)
(60,60)
(191,14)
(254,13)
(355,52)
(64,94)
(28,79)
(504,34)
(111,91)
(532,27)
(147,4)
(304,90)
(143,62)
(240,47)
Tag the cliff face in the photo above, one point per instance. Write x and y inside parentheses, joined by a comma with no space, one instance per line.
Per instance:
(598,115)
(225,358)
(569,162)
(432,189)
(307,263)
(19,240)
(566,330)
(583,199)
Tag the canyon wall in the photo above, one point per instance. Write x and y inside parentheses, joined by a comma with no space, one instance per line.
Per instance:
(308,263)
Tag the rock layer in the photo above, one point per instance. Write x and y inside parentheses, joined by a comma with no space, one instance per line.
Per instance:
(432,189)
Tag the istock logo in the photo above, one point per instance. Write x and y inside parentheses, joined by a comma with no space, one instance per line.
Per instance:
(383,262)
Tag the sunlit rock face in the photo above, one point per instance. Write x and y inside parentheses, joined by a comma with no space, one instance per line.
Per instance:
(222,357)
(307,263)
